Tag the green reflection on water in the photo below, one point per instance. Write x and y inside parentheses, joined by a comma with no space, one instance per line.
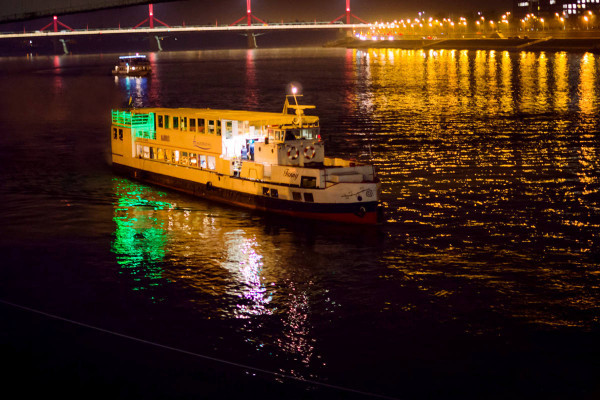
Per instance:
(140,236)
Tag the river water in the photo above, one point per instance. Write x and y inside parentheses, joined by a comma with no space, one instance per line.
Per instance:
(484,282)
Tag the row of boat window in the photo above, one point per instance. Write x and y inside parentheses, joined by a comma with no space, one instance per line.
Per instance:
(297,196)
(177,157)
(199,125)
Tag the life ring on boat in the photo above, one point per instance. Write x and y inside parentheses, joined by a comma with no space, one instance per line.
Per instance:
(292,153)
(309,152)
(361,212)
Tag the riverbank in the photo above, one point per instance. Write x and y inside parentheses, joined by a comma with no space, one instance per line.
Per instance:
(501,44)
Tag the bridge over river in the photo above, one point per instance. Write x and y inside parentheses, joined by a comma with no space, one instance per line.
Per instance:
(249,25)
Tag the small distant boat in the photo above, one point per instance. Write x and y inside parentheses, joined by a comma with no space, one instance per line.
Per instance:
(137,65)
(273,162)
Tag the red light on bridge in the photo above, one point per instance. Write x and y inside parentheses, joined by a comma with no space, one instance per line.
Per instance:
(55,17)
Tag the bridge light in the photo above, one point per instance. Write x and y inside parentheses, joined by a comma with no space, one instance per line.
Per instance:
(55,17)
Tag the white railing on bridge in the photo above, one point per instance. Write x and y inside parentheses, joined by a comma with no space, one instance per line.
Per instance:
(205,28)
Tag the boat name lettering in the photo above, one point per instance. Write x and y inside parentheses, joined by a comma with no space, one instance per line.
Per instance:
(292,174)
(164,138)
(201,145)
(350,194)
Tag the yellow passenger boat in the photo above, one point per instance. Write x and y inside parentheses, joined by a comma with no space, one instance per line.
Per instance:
(269,161)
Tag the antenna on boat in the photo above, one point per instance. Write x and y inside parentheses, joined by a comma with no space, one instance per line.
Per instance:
(299,108)
(294,91)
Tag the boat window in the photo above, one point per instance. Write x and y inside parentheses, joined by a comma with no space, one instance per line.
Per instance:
(193,160)
(310,133)
(167,122)
(202,161)
(308,182)
(228,129)
(168,155)
(218,128)
(201,125)
(274,193)
(152,152)
(212,164)
(160,154)
(211,126)
(184,158)
(277,135)
(192,124)
(175,156)
(146,152)
(289,135)
(265,191)
(308,197)
(183,123)
(297,196)
(160,121)
(114,133)
(139,151)
(120,134)
(175,123)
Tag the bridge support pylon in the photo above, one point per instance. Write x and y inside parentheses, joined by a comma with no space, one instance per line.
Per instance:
(154,42)
(248,17)
(251,40)
(151,18)
(55,22)
(348,15)
(59,46)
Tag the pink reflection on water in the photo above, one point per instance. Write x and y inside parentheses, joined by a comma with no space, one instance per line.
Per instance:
(251,98)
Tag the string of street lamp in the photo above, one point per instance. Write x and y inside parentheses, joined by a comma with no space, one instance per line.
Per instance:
(421,25)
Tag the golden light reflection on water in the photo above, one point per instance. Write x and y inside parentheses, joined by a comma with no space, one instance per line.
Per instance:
(561,98)
(480,150)
(587,86)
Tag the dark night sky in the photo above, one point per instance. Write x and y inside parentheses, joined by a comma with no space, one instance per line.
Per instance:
(205,12)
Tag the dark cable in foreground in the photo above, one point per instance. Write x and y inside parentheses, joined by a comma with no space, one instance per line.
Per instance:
(264,371)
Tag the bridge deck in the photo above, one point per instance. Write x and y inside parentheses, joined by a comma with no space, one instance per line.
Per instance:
(163,29)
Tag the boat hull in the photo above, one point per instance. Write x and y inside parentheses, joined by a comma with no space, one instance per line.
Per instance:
(136,74)
(367,213)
